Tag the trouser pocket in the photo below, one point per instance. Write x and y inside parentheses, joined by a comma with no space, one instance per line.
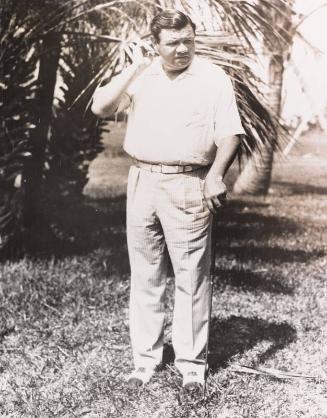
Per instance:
(132,181)
(194,202)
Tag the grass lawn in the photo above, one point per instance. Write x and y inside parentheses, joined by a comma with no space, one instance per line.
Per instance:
(64,344)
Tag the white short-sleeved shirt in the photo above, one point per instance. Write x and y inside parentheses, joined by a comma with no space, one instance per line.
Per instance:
(181,121)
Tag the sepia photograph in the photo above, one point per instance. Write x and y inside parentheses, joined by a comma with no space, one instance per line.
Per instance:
(163,208)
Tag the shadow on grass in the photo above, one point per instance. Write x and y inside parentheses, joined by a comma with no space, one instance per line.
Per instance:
(300,188)
(80,225)
(252,280)
(235,335)
(243,232)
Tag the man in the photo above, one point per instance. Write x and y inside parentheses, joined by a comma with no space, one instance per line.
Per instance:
(182,133)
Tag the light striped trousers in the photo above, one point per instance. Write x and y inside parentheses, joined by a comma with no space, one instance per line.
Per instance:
(166,213)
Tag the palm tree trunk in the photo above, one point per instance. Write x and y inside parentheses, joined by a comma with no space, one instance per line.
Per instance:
(256,176)
(33,169)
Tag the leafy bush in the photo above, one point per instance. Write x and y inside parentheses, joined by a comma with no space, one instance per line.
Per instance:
(19,117)
(75,131)
(35,134)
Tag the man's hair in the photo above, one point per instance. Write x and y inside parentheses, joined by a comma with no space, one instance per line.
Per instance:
(169,19)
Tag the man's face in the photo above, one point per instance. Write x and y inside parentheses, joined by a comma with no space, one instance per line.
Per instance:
(176,48)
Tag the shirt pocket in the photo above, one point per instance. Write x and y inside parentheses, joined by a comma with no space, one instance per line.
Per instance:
(196,118)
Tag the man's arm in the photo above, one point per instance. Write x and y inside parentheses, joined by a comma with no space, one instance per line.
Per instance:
(109,98)
(214,188)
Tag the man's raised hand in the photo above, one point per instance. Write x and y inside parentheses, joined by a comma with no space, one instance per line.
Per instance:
(140,53)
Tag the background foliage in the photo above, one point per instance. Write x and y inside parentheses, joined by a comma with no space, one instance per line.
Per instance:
(19,115)
(49,137)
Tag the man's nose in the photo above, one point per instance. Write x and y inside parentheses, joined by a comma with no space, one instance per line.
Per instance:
(181,48)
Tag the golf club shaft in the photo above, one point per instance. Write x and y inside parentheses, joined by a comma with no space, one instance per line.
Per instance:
(212,272)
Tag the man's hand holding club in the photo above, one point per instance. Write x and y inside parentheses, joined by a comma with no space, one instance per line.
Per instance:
(215,192)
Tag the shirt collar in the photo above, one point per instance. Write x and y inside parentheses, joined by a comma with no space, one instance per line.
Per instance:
(156,68)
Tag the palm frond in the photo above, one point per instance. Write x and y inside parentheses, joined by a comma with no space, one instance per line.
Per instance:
(243,25)
(19,118)
(271,372)
(229,33)
(305,17)
(76,133)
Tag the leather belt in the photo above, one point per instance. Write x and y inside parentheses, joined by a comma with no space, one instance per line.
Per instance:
(167,169)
